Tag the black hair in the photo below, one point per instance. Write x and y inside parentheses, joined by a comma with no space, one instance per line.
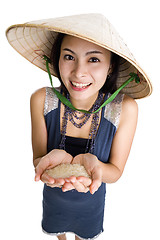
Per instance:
(110,83)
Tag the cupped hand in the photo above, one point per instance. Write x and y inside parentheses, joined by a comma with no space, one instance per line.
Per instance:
(83,184)
(50,160)
(92,166)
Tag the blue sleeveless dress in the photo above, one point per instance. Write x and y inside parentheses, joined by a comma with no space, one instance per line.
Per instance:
(79,213)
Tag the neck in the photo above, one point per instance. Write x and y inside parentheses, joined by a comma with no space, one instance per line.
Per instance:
(85,104)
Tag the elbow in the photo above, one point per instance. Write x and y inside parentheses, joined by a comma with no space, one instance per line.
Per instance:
(111,173)
(116,176)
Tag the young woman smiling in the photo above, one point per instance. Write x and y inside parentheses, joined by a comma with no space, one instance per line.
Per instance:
(70,124)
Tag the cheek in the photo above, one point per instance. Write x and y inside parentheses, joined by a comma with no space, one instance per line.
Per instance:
(64,68)
(104,72)
(100,75)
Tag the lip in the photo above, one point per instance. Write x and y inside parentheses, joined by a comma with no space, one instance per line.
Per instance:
(80,88)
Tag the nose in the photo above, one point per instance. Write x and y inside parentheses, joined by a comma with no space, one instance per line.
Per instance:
(80,69)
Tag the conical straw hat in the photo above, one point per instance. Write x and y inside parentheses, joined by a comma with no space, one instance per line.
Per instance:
(35,39)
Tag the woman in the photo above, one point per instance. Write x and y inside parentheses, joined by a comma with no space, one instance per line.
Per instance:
(89,73)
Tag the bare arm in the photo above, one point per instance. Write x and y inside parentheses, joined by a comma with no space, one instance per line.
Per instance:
(41,159)
(39,131)
(122,142)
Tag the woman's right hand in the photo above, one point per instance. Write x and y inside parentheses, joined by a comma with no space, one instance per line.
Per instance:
(50,160)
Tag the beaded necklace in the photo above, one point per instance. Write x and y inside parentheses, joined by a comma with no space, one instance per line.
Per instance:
(70,114)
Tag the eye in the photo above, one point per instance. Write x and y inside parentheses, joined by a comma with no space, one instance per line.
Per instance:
(68,57)
(94,60)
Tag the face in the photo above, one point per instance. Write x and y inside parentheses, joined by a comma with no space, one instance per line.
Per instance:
(83,67)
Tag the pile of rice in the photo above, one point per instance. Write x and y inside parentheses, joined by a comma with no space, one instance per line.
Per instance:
(67,170)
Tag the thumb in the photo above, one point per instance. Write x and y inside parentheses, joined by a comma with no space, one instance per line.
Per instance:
(37,174)
(40,168)
(96,180)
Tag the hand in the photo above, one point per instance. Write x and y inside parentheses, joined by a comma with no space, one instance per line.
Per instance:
(52,159)
(83,184)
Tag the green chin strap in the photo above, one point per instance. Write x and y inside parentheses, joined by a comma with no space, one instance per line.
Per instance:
(65,101)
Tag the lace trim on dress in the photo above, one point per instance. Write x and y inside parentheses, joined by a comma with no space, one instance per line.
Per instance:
(60,233)
(51,100)
(112,110)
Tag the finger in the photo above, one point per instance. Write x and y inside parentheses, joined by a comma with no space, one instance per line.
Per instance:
(78,159)
(40,168)
(95,186)
(80,187)
(47,179)
(83,184)
(53,185)
(80,183)
(70,179)
(67,187)
(59,181)
(85,181)
(96,180)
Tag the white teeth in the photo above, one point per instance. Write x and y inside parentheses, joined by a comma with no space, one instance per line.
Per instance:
(80,85)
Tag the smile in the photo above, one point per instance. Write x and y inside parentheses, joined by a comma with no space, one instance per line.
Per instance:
(80,85)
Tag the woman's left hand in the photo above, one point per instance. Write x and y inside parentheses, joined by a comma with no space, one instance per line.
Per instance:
(83,184)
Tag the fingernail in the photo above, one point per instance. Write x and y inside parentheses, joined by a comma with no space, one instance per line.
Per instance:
(36,179)
(67,180)
(93,190)
(73,180)
(51,181)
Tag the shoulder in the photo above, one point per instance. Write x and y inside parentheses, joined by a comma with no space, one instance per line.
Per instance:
(129,112)
(45,100)
(38,94)
(38,98)
(129,106)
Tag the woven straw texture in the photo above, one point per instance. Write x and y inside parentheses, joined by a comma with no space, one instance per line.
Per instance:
(35,39)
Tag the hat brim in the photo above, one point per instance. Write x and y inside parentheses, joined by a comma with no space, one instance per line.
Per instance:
(35,39)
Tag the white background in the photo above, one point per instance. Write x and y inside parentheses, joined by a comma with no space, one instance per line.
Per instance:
(132,204)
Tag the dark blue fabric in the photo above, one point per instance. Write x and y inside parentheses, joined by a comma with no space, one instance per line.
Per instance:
(81,213)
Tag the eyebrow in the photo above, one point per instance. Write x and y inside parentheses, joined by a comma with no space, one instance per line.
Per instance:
(94,52)
(69,50)
(87,53)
